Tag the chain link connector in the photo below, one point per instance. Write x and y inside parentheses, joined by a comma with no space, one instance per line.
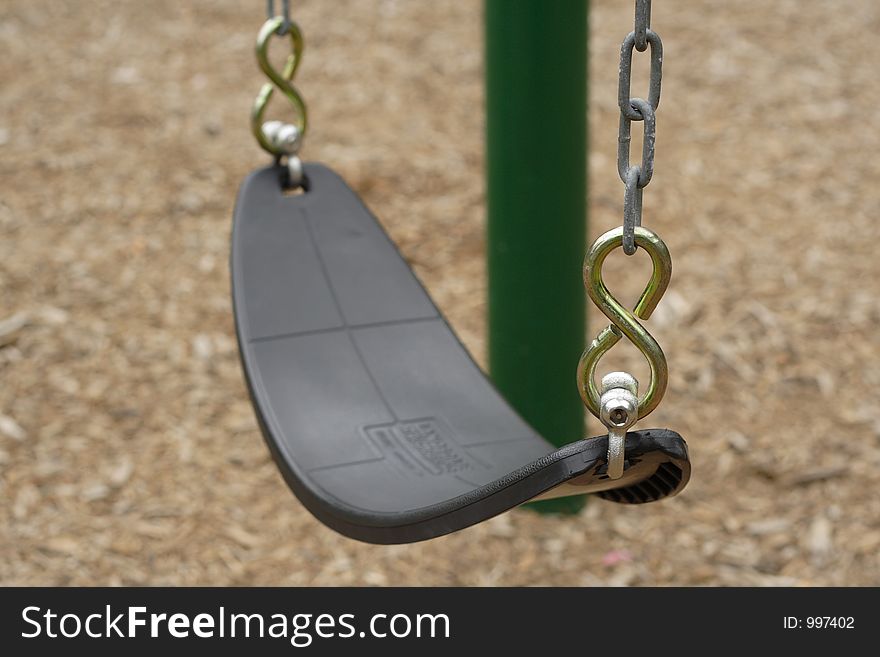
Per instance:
(625,323)
(625,74)
(643,24)
(277,138)
(649,139)
(285,15)
(632,210)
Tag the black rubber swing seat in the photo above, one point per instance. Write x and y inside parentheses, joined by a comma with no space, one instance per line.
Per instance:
(378,418)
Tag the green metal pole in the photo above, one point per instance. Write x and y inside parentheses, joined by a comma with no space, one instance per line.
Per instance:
(536,88)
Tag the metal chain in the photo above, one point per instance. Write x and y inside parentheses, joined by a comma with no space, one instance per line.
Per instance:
(285,14)
(636,177)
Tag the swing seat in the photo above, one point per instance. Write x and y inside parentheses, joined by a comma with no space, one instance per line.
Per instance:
(379,420)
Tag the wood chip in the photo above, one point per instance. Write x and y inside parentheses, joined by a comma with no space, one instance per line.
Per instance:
(121,472)
(243,537)
(819,540)
(11,429)
(11,327)
(818,474)
(768,526)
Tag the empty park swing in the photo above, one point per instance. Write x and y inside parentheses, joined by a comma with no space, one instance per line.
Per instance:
(378,418)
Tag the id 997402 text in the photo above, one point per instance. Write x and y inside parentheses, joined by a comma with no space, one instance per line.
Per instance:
(819,623)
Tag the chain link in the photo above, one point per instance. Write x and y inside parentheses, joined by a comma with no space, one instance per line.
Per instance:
(285,14)
(625,76)
(643,23)
(636,178)
(632,210)
(646,168)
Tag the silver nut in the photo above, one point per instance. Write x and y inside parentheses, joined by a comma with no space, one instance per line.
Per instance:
(288,139)
(623,380)
(271,128)
(284,137)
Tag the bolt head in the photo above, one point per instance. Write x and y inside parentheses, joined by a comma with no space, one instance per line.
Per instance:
(283,136)
(288,139)
(619,408)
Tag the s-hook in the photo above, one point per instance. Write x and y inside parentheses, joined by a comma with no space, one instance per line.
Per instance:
(275,137)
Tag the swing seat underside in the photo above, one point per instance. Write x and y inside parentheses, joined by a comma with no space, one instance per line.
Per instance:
(378,418)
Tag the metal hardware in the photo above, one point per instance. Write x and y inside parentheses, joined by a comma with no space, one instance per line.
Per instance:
(643,24)
(625,323)
(274,137)
(285,14)
(625,73)
(619,405)
(635,177)
(624,136)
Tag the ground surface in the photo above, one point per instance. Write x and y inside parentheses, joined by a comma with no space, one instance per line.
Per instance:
(128,451)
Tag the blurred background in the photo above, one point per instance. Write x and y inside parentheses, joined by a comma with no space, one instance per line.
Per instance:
(129,453)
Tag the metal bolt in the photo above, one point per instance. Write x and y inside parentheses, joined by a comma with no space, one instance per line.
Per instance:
(284,137)
(618,411)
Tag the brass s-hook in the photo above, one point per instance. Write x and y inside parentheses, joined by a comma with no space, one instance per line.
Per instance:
(623,321)
(283,81)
